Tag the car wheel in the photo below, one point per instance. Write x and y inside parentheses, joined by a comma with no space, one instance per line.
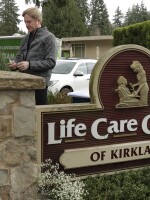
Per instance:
(65,90)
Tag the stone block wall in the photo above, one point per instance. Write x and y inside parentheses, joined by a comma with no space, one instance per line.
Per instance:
(18,137)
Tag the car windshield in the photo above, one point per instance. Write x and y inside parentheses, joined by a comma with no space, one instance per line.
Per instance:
(63,67)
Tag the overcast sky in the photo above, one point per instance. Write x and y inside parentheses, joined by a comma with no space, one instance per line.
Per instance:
(110,4)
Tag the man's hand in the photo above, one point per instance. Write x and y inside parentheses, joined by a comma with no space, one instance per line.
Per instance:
(22,66)
(12,66)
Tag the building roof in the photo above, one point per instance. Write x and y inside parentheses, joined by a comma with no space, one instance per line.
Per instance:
(86,38)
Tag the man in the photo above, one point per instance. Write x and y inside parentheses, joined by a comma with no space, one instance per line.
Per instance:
(37,53)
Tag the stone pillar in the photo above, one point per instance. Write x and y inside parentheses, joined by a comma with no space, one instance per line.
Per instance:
(18,153)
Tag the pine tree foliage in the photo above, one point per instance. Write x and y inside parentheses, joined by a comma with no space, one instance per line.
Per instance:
(84,10)
(118,18)
(39,3)
(100,17)
(36,2)
(8,17)
(70,18)
(144,14)
(65,21)
(138,13)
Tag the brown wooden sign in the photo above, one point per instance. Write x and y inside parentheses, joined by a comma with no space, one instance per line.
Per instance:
(113,131)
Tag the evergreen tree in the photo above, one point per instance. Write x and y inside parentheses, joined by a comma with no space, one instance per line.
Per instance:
(144,14)
(118,18)
(136,14)
(8,17)
(84,10)
(100,17)
(64,21)
(44,2)
(133,15)
(127,18)
(36,2)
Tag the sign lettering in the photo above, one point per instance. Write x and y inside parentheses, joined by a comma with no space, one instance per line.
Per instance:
(69,128)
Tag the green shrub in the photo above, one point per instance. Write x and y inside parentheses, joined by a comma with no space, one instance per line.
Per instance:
(58,98)
(138,34)
(130,185)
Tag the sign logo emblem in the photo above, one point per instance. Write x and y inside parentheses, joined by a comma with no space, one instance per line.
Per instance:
(133,94)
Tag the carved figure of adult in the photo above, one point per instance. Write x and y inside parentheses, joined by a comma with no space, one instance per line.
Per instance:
(37,53)
(143,87)
(126,98)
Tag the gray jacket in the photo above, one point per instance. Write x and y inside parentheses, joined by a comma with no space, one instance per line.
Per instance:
(41,53)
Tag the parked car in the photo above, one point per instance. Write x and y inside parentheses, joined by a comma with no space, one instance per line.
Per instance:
(71,74)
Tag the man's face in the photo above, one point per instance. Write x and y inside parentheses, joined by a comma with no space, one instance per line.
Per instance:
(31,24)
